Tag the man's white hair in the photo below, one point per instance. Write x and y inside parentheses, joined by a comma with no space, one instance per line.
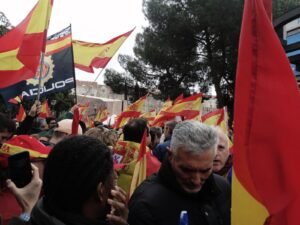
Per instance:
(194,137)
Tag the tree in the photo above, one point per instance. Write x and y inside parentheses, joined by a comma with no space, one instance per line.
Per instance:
(282,6)
(5,25)
(189,42)
(121,83)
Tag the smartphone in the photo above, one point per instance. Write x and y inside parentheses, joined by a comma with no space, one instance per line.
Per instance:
(19,169)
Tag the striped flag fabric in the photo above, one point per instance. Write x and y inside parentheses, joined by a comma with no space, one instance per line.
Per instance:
(45,110)
(189,107)
(265,184)
(132,111)
(21,48)
(94,55)
(160,118)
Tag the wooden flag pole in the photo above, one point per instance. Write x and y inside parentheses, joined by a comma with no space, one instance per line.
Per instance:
(40,75)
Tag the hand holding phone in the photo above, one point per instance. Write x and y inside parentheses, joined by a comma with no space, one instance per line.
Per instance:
(19,169)
(27,196)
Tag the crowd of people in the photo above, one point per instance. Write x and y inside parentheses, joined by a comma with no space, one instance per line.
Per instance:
(87,177)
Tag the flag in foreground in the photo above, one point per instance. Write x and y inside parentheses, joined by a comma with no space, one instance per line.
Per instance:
(88,55)
(21,48)
(58,70)
(266,184)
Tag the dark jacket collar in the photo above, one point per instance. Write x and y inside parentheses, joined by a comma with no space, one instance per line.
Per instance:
(40,216)
(167,177)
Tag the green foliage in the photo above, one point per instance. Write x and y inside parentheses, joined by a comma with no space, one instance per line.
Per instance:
(190,42)
(282,6)
(122,84)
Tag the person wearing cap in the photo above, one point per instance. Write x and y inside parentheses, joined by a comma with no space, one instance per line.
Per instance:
(38,153)
(63,129)
(185,181)
(78,187)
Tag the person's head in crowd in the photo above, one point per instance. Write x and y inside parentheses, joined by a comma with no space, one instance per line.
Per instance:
(96,132)
(39,124)
(168,128)
(155,134)
(51,121)
(110,137)
(7,128)
(222,151)
(192,151)
(134,130)
(38,152)
(78,179)
(63,129)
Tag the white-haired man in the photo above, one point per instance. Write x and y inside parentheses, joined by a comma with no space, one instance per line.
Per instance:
(185,182)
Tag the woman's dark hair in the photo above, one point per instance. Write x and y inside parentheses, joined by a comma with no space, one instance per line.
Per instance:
(73,170)
(134,130)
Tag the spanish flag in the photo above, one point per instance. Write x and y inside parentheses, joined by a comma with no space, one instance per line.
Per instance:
(21,48)
(135,161)
(88,55)
(133,111)
(188,107)
(160,118)
(266,184)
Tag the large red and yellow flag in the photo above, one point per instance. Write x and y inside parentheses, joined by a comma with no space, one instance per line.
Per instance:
(132,111)
(188,107)
(266,184)
(160,118)
(21,48)
(88,55)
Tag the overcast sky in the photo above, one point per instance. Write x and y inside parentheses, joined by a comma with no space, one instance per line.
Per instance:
(92,21)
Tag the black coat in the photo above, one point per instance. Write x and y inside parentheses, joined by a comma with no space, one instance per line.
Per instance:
(159,201)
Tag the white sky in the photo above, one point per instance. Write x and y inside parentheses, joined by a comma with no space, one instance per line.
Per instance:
(92,21)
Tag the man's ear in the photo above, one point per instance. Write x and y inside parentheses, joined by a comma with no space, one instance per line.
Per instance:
(101,192)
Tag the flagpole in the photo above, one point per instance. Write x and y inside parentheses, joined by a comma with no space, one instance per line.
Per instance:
(102,69)
(40,75)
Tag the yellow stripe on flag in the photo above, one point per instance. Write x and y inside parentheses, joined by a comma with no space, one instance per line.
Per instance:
(9,149)
(85,53)
(8,60)
(59,44)
(39,19)
(246,210)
